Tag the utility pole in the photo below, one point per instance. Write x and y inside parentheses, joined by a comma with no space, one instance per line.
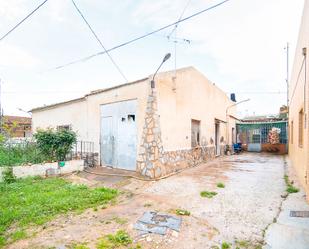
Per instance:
(287,76)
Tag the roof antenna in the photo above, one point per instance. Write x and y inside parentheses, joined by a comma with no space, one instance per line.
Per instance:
(175,39)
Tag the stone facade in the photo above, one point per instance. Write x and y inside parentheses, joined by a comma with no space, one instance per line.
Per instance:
(152,160)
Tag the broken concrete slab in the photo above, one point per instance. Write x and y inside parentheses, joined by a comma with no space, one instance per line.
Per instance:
(153,222)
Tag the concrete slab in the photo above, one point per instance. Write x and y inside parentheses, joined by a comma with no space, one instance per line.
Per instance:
(290,232)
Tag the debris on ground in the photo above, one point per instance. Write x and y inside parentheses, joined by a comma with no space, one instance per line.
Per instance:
(153,222)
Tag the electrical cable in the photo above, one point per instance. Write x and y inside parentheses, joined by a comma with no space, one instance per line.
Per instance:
(100,42)
(24,19)
(141,37)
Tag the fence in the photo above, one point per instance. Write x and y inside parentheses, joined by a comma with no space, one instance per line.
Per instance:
(82,150)
(260,132)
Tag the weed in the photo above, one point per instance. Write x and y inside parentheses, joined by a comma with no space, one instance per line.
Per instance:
(220,185)
(111,241)
(36,201)
(290,188)
(182,212)
(225,245)
(147,205)
(207,194)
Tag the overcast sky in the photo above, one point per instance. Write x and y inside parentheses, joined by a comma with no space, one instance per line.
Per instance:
(239,46)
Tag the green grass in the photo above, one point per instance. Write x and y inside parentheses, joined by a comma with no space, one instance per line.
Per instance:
(208,194)
(34,201)
(220,185)
(20,155)
(225,245)
(182,212)
(290,188)
(111,241)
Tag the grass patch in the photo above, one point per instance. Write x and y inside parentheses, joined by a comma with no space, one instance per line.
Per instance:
(225,245)
(111,241)
(208,194)
(34,201)
(220,185)
(182,212)
(290,188)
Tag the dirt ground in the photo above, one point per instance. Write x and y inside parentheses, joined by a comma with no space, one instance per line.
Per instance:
(239,212)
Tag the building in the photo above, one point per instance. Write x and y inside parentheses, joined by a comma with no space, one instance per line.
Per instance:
(267,134)
(16,127)
(181,122)
(299,104)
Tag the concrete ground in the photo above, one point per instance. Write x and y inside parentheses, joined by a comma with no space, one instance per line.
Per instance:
(239,214)
(290,232)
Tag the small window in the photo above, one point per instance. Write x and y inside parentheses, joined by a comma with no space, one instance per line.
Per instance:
(123,119)
(131,117)
(64,127)
(301,128)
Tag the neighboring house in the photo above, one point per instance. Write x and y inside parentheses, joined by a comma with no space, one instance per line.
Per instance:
(183,121)
(263,134)
(299,104)
(16,126)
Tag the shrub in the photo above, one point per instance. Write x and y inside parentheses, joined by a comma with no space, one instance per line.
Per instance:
(19,154)
(55,144)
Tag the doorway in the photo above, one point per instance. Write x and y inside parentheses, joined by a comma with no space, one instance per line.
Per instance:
(119,135)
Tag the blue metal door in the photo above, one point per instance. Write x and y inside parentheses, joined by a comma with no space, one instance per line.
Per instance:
(119,134)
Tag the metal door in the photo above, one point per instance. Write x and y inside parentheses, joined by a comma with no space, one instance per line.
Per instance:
(254,144)
(107,141)
(217,139)
(120,150)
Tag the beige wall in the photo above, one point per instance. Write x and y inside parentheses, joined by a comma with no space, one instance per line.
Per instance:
(84,115)
(298,96)
(190,96)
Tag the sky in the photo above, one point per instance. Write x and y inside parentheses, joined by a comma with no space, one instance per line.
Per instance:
(240,46)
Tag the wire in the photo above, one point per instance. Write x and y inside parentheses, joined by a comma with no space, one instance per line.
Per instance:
(100,42)
(140,37)
(182,13)
(24,19)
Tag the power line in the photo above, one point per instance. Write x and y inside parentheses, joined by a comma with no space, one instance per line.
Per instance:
(97,38)
(182,13)
(141,37)
(24,19)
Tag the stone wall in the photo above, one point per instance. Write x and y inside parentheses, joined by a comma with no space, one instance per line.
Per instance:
(152,160)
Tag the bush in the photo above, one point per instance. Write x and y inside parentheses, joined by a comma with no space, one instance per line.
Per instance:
(20,154)
(55,144)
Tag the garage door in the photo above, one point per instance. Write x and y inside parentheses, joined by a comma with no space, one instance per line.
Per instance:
(119,134)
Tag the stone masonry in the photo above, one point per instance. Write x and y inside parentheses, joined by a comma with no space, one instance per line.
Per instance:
(152,160)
